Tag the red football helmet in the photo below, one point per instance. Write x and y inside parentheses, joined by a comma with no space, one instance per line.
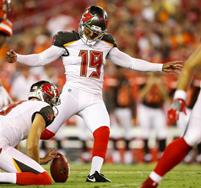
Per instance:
(45,91)
(95,20)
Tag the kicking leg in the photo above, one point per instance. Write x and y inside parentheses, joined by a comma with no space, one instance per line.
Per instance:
(67,108)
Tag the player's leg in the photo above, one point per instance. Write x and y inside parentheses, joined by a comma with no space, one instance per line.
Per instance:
(183,121)
(173,155)
(115,137)
(124,116)
(68,107)
(85,154)
(21,169)
(161,130)
(97,120)
(178,149)
(144,118)
(182,124)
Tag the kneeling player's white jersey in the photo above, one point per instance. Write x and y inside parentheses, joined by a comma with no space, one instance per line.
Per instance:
(15,125)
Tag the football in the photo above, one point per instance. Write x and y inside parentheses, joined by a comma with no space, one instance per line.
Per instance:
(59,168)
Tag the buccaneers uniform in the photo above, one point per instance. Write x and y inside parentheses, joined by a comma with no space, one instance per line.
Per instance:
(15,124)
(84,55)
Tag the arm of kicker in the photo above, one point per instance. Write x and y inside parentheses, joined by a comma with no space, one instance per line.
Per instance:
(124,60)
(43,58)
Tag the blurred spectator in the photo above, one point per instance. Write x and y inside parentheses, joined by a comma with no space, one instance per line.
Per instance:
(60,23)
(22,83)
(123,114)
(151,115)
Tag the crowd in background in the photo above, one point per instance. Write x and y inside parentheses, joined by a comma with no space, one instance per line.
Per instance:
(154,30)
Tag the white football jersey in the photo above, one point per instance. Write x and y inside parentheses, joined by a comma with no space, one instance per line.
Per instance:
(84,65)
(15,125)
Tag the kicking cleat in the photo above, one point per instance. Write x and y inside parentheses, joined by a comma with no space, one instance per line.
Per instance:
(97,177)
(149,183)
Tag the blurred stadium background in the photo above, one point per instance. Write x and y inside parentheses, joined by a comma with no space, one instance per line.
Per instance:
(153,30)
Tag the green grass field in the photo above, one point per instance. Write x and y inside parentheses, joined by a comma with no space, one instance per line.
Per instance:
(129,176)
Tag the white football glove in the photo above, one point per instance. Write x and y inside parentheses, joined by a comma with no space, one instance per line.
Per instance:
(5,99)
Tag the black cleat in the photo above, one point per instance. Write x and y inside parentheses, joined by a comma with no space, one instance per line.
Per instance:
(97,177)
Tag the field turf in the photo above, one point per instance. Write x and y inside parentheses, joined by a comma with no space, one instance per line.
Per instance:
(127,176)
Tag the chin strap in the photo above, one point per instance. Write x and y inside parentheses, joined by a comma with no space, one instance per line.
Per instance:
(87,41)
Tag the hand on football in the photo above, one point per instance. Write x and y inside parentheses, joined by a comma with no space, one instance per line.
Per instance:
(11,56)
(173,67)
(51,154)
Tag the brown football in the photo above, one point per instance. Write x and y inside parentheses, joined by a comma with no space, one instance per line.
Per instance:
(59,168)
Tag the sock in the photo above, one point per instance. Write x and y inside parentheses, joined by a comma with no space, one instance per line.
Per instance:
(101,138)
(173,155)
(7,177)
(29,178)
(155,177)
(96,164)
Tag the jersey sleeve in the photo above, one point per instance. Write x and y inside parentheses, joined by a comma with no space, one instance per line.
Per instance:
(124,60)
(47,113)
(109,38)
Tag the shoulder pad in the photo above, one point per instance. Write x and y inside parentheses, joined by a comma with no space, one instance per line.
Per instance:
(108,38)
(62,38)
(47,113)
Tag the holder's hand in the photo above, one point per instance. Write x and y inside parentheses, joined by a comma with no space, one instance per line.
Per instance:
(51,154)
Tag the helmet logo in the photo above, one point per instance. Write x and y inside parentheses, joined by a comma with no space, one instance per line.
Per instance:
(45,91)
(46,88)
(86,17)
